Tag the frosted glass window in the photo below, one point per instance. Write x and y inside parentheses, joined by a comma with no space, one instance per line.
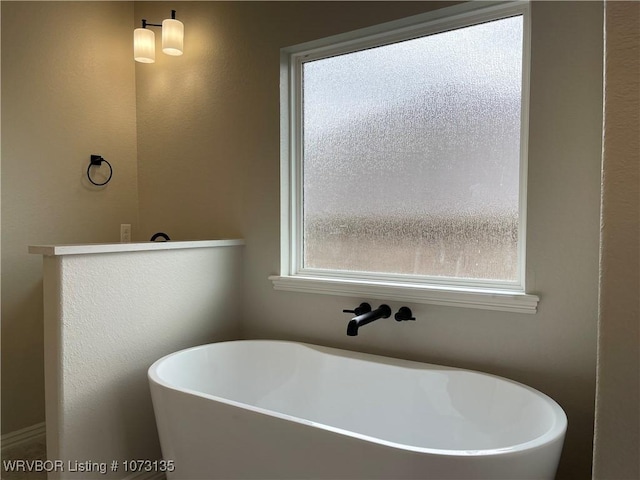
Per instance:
(411,156)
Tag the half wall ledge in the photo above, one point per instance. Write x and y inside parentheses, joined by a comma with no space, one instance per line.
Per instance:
(93,248)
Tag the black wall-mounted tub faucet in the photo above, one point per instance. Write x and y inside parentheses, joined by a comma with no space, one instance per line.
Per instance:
(383,311)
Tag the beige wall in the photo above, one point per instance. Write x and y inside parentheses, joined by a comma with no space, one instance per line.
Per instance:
(618,400)
(67,92)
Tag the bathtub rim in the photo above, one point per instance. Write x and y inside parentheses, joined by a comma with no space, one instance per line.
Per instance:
(555,433)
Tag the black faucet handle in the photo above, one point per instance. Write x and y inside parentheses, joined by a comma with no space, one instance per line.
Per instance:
(404,314)
(364,307)
(385,311)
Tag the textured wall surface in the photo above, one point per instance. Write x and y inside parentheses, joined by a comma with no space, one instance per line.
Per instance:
(617,414)
(67,92)
(108,317)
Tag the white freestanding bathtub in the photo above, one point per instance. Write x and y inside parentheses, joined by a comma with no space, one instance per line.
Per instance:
(264,409)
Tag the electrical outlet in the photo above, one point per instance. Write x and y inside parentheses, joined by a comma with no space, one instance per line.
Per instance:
(125,233)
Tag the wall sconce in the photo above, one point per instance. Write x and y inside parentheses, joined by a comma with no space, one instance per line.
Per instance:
(144,40)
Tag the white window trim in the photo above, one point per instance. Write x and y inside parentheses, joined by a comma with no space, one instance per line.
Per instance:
(501,296)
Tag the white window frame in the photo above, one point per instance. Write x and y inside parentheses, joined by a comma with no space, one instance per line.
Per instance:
(503,296)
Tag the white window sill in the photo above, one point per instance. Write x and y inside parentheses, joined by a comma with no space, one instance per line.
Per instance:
(467,297)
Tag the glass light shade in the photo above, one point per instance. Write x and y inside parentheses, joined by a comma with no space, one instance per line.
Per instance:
(144,45)
(172,36)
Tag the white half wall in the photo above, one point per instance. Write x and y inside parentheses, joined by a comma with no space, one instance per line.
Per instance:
(108,317)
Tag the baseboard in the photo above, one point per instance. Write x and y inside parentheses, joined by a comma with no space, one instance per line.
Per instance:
(20,437)
(38,431)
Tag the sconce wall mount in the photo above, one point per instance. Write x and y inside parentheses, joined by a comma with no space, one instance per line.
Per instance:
(144,40)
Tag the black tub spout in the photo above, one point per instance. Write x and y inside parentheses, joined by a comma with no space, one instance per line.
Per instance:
(383,311)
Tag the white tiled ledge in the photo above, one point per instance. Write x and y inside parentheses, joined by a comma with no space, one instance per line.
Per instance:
(486,299)
(93,248)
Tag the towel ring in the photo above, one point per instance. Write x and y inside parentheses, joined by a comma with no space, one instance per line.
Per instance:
(96,160)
